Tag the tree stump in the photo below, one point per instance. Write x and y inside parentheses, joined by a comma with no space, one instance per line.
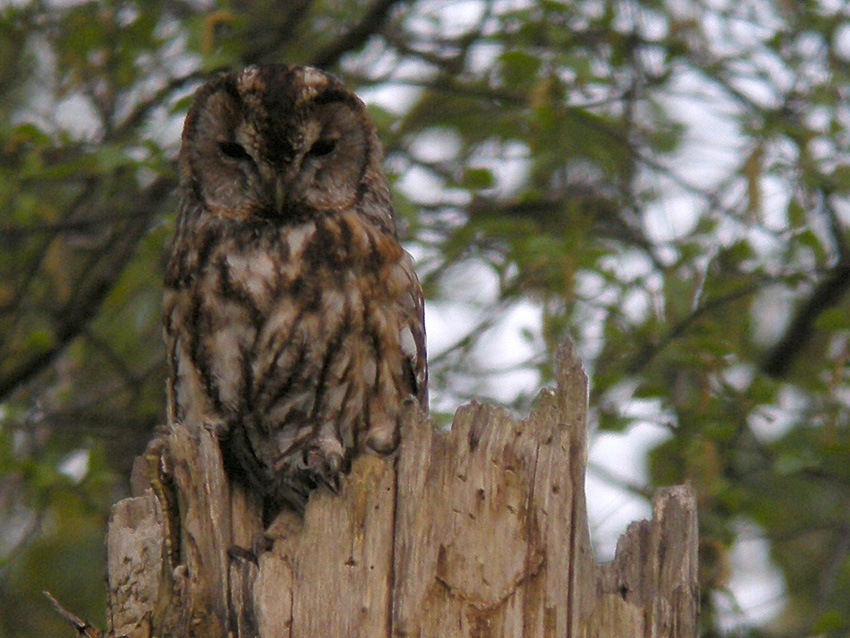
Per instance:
(479,531)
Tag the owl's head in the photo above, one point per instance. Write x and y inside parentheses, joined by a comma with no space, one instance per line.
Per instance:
(281,143)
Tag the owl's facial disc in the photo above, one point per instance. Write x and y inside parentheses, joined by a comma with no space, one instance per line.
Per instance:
(279,143)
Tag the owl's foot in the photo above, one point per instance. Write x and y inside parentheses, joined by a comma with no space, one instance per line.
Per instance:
(321,463)
(325,465)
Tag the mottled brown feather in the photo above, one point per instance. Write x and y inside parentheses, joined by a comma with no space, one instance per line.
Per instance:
(293,318)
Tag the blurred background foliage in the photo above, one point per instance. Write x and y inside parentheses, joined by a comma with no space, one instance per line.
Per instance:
(663,181)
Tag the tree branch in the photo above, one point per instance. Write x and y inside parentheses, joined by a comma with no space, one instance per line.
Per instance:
(84,305)
(825,295)
(650,350)
(356,36)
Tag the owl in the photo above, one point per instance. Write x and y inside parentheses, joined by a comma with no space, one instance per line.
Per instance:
(293,318)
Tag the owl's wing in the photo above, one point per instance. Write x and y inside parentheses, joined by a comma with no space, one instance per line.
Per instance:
(413,343)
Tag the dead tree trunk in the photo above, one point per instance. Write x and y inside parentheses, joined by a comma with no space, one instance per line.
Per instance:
(480,531)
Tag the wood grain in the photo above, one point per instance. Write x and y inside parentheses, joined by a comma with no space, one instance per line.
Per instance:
(478,531)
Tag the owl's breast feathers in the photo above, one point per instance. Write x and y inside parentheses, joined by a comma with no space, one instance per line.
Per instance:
(300,337)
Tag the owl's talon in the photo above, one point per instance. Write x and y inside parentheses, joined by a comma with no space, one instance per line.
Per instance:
(333,483)
(333,465)
(322,467)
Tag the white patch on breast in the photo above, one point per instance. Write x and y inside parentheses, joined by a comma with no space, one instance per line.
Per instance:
(408,343)
(227,361)
(252,272)
(297,237)
(237,265)
(333,302)
(263,266)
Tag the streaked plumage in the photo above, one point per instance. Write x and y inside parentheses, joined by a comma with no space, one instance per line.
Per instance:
(293,317)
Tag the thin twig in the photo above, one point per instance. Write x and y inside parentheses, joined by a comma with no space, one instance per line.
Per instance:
(83,627)
(355,37)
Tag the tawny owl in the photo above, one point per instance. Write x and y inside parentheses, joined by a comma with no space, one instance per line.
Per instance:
(293,317)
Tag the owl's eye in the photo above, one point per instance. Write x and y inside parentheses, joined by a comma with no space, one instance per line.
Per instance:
(233,151)
(322,148)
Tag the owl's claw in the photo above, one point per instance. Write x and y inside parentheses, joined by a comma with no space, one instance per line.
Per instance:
(324,467)
(333,483)
(321,464)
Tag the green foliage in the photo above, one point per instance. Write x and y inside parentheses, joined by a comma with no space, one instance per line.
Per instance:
(665,182)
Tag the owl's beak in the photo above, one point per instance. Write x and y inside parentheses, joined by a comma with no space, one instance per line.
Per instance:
(279,193)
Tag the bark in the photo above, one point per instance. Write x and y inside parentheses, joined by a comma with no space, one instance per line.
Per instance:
(478,531)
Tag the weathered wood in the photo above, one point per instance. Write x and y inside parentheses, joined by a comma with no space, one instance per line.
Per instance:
(134,549)
(479,531)
(653,577)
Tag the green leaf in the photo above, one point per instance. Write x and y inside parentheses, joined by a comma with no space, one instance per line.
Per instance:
(477,178)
